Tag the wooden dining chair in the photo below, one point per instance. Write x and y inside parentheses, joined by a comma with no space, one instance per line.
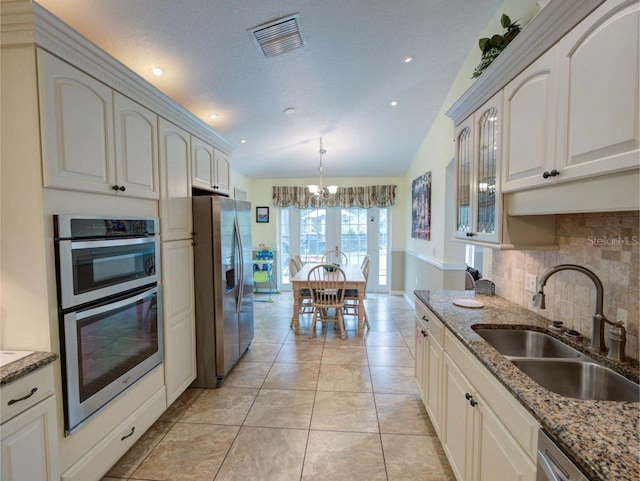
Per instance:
(305,306)
(351,303)
(335,257)
(326,286)
(297,261)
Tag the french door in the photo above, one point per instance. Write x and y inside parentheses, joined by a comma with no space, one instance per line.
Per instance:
(357,232)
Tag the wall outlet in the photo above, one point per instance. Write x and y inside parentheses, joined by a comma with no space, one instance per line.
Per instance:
(530,283)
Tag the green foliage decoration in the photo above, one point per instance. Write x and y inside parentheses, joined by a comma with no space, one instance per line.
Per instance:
(491,47)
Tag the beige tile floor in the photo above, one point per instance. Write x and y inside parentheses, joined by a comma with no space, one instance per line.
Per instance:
(302,409)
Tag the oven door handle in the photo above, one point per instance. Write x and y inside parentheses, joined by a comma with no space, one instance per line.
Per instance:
(115,305)
(110,243)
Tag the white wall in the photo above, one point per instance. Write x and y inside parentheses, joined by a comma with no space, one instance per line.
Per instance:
(436,154)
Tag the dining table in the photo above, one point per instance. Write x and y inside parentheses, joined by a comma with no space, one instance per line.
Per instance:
(354,281)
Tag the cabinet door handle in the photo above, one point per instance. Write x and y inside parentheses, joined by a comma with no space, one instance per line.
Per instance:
(116,187)
(122,188)
(424,333)
(128,435)
(552,173)
(13,401)
(425,319)
(470,234)
(469,398)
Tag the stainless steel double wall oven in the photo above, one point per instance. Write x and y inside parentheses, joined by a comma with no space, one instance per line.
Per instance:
(108,274)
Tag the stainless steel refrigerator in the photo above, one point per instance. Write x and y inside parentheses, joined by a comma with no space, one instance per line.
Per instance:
(223,285)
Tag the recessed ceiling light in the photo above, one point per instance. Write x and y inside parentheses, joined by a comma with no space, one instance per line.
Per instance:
(394,103)
(213,116)
(408,59)
(288,111)
(243,141)
(157,71)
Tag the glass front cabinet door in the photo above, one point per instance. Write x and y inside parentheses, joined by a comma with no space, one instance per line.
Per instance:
(478,199)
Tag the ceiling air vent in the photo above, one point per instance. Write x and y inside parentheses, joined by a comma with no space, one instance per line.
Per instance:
(279,36)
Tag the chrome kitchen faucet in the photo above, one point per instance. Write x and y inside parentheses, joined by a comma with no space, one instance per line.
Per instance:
(617,332)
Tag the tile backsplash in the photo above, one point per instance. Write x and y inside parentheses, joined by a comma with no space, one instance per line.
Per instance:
(606,243)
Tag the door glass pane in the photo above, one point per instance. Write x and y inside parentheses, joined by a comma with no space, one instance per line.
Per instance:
(383,246)
(464,180)
(313,228)
(353,233)
(486,187)
(285,246)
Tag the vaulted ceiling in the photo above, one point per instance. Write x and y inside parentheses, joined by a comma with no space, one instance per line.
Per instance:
(340,83)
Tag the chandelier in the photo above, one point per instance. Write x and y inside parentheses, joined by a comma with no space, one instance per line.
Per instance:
(319,190)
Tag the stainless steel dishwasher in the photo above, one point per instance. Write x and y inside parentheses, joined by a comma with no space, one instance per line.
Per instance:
(553,464)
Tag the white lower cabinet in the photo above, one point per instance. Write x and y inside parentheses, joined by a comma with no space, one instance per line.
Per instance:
(428,366)
(179,317)
(434,380)
(485,433)
(29,439)
(421,358)
(97,461)
(458,420)
(476,442)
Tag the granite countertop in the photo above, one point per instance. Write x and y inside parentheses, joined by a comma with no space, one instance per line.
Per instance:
(602,437)
(25,365)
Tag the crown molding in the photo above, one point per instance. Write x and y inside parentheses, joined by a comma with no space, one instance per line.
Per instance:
(551,24)
(24,23)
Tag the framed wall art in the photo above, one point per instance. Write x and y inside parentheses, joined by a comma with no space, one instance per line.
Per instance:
(421,207)
(262,214)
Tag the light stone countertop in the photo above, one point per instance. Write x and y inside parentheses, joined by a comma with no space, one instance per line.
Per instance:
(602,437)
(23,366)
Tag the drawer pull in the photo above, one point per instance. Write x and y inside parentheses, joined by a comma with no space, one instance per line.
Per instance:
(128,435)
(13,401)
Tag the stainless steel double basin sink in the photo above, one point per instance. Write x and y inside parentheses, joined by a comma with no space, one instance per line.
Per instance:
(558,367)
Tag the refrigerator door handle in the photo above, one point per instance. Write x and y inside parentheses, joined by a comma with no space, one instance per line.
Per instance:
(240,283)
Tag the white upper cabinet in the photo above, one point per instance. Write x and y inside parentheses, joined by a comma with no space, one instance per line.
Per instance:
(573,113)
(136,148)
(222,179)
(479,205)
(175,175)
(599,93)
(202,164)
(529,141)
(76,128)
(210,167)
(94,139)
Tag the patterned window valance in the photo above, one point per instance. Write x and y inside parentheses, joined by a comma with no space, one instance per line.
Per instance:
(365,197)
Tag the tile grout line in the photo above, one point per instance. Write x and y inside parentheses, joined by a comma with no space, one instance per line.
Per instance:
(246,415)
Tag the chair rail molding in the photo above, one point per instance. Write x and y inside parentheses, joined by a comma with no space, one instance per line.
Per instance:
(443,266)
